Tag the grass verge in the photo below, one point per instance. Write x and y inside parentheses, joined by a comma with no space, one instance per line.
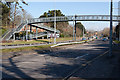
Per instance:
(25,42)
(38,41)
(117,41)
(26,48)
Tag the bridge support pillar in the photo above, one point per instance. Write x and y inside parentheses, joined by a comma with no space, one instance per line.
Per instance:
(26,32)
(30,29)
(30,32)
(36,33)
(14,36)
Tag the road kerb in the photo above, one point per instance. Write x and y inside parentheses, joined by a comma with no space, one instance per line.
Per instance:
(61,44)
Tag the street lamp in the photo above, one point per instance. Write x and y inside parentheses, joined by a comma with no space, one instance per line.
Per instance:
(75,27)
(54,26)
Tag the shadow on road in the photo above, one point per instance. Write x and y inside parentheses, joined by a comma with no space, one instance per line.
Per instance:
(14,69)
(55,69)
(62,70)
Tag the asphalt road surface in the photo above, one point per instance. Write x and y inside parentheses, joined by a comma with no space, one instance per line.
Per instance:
(52,64)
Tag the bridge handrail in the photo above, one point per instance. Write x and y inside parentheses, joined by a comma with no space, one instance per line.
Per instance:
(45,27)
(78,17)
(5,33)
(74,16)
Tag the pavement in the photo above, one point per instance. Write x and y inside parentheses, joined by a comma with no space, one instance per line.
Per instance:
(105,68)
(58,63)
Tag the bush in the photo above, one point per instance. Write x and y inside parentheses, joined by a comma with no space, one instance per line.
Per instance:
(61,35)
(3,30)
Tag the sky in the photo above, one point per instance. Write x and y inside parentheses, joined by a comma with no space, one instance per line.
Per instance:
(75,8)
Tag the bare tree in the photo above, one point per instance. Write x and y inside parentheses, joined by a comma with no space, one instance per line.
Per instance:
(26,15)
(14,6)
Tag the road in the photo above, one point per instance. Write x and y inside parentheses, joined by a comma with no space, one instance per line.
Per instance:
(53,64)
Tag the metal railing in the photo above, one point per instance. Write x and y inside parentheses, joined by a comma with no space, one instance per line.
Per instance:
(5,33)
(45,27)
(39,35)
(78,18)
(12,31)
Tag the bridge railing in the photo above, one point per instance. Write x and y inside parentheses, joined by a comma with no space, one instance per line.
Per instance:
(78,18)
(45,27)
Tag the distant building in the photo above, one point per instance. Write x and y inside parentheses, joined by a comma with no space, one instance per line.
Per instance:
(33,29)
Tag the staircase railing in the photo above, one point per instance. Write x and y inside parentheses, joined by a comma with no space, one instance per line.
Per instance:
(45,27)
(17,29)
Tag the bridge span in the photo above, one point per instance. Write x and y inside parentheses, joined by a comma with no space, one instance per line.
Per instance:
(34,21)
(72,18)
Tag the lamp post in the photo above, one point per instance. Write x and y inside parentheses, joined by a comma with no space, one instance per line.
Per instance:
(110,40)
(54,26)
(75,27)
(26,30)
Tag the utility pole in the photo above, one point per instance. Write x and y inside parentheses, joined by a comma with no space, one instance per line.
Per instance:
(110,40)
(54,26)
(119,32)
(14,26)
(75,27)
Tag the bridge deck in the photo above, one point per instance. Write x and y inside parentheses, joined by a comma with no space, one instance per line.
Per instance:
(77,18)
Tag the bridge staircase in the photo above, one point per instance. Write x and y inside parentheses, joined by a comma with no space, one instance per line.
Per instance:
(11,32)
(49,29)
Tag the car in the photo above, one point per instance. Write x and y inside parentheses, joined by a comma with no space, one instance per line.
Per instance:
(89,38)
(84,39)
(107,38)
(104,39)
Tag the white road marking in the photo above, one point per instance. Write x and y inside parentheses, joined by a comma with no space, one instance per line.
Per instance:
(81,56)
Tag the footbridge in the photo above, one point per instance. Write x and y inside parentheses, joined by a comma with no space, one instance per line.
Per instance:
(72,18)
(34,22)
